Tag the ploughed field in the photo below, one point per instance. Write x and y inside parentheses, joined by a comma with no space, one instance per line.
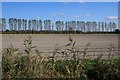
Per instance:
(46,43)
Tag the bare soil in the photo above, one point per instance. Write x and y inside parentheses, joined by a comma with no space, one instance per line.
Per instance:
(48,42)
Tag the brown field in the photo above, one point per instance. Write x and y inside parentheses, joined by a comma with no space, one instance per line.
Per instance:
(47,42)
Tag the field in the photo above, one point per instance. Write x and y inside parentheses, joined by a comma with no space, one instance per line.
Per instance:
(48,42)
(60,56)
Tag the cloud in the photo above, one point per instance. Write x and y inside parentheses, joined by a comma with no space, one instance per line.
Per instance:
(79,16)
(74,0)
(81,1)
(112,18)
(38,17)
(87,15)
(57,14)
(68,1)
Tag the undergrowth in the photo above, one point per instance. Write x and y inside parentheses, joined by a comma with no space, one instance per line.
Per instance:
(30,64)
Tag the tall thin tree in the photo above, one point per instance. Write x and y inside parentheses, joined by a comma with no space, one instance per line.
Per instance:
(11,23)
(15,24)
(19,24)
(29,25)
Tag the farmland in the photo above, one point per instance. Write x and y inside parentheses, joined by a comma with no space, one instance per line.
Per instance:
(23,59)
(48,42)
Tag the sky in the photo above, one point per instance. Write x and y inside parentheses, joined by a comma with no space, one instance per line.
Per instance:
(59,0)
(65,11)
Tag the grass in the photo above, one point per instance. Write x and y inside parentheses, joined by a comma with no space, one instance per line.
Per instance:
(30,64)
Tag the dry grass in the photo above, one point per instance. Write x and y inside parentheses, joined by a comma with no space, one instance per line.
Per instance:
(29,63)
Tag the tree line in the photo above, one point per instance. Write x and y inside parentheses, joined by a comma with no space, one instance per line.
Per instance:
(36,25)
